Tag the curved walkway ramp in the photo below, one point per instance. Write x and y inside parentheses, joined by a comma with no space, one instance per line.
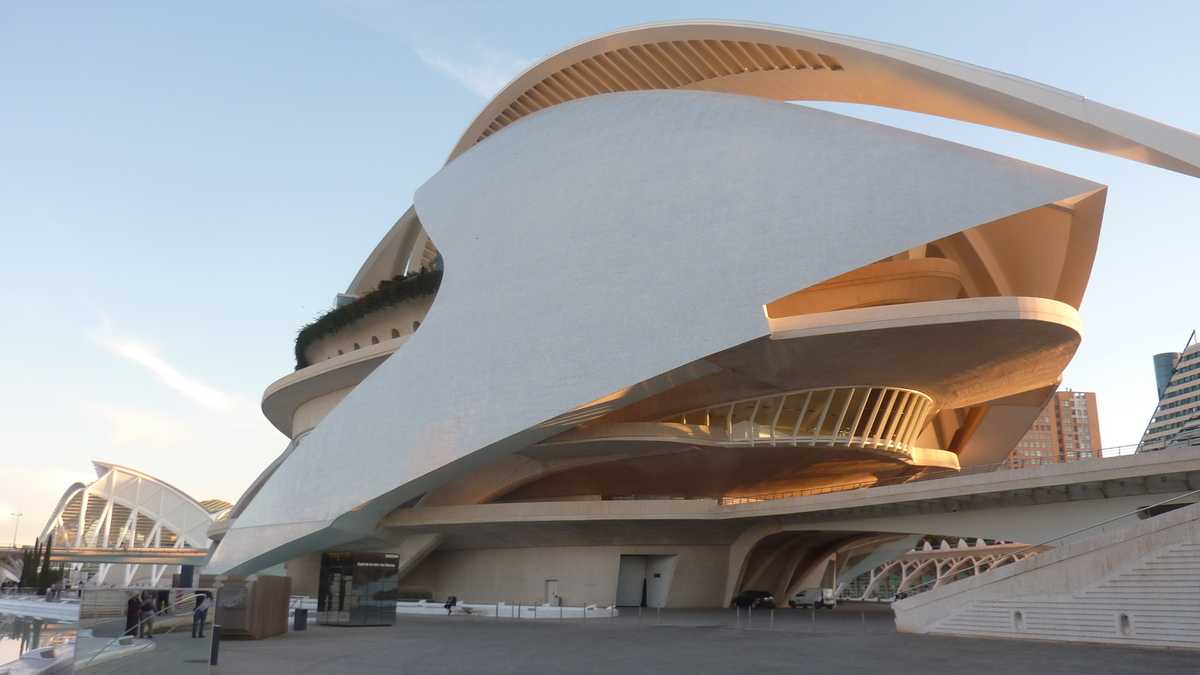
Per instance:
(1133,586)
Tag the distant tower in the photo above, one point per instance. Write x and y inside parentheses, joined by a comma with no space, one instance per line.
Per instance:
(1164,365)
(1177,415)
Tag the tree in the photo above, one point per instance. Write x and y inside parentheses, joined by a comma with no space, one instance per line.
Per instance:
(28,567)
(30,559)
(44,574)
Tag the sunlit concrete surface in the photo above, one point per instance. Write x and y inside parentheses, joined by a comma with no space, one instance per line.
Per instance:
(851,639)
(646,284)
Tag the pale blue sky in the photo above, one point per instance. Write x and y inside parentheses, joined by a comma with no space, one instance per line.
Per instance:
(183,186)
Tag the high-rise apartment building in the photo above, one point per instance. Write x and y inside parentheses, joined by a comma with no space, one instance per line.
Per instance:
(1067,429)
(1177,375)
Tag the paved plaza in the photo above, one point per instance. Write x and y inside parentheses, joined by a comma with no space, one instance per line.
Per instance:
(851,639)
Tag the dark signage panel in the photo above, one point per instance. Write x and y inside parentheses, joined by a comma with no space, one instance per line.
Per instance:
(358,589)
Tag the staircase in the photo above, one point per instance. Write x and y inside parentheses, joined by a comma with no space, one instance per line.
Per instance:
(1139,586)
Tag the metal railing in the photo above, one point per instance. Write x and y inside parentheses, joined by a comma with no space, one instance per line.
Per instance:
(804,492)
(1037,548)
(140,626)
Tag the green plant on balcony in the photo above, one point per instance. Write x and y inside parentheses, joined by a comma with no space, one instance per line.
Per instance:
(390,292)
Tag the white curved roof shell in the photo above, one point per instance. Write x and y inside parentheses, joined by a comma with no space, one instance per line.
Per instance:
(125,508)
(794,64)
(784,63)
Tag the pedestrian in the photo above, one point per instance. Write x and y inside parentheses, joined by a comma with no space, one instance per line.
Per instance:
(133,611)
(450,603)
(200,615)
(148,618)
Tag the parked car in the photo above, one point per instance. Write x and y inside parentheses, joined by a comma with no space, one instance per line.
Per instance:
(814,597)
(754,600)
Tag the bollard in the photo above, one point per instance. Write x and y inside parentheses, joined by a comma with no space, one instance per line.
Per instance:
(215,650)
(772,623)
(864,620)
(750,616)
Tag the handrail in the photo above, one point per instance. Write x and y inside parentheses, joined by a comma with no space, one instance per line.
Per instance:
(1030,548)
(802,492)
(1110,520)
(141,621)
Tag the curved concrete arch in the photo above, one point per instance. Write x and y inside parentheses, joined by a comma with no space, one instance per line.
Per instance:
(794,64)
(103,468)
(882,576)
(392,255)
(62,504)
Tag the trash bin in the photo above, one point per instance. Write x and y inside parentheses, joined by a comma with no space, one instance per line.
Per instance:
(300,622)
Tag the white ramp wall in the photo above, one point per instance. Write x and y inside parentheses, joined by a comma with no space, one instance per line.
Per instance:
(1135,586)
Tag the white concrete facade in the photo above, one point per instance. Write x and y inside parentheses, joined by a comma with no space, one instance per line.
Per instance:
(662,284)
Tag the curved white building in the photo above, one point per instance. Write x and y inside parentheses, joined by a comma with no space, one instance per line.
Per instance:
(644,286)
(127,512)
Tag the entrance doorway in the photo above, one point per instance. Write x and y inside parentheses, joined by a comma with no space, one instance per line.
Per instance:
(644,580)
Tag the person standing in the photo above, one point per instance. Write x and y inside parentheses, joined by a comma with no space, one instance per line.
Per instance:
(148,618)
(133,611)
(200,615)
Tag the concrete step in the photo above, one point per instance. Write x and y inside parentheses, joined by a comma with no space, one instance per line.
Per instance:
(1146,599)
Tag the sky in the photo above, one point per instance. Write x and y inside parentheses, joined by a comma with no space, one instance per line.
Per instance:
(182,186)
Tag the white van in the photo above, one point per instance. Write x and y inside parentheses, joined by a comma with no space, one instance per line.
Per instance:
(814,597)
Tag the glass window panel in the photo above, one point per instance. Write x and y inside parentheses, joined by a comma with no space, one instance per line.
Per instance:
(887,404)
(741,420)
(856,405)
(787,418)
(766,414)
(717,418)
(873,401)
(808,425)
(838,400)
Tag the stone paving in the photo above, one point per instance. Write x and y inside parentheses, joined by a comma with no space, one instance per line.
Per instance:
(851,639)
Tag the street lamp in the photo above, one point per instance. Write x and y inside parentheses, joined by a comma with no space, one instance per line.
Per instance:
(16,527)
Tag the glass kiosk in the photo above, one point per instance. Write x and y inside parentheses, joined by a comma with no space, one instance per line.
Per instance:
(358,589)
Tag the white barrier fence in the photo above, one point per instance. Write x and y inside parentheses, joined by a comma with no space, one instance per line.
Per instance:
(502,610)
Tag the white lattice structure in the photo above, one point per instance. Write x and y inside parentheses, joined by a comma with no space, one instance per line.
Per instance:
(929,566)
(125,510)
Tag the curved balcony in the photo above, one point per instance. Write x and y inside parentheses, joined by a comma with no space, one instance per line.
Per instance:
(892,282)
(876,417)
(391,293)
(322,384)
